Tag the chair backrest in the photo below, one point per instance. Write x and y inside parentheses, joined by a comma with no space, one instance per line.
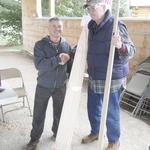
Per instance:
(10,73)
(144,67)
(138,84)
(13,77)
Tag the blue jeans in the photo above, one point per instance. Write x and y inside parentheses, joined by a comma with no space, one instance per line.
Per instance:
(113,115)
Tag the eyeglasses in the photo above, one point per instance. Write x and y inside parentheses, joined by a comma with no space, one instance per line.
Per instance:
(93,8)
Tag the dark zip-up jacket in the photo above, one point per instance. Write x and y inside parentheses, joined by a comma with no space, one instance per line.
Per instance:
(99,41)
(46,59)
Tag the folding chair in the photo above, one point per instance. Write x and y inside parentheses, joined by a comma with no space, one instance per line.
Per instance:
(14,77)
(143,106)
(134,91)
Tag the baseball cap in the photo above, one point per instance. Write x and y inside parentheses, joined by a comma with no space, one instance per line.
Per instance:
(92,3)
(107,3)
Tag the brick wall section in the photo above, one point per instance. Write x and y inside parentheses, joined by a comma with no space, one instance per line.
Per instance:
(140,11)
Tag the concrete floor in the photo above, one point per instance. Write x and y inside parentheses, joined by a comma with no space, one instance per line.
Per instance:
(15,132)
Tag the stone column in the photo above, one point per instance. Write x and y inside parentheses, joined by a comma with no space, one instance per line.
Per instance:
(29,14)
(52,8)
(29,8)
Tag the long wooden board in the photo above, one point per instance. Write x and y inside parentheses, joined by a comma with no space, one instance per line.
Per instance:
(108,81)
(72,98)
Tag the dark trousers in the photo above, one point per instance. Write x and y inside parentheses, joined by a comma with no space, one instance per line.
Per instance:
(42,96)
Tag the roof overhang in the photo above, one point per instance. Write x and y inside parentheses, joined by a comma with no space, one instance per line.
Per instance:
(139,3)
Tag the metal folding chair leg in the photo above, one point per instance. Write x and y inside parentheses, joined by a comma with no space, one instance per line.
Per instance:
(138,106)
(28,106)
(144,102)
(2,112)
(23,101)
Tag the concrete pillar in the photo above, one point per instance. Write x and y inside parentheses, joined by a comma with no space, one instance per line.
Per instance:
(52,8)
(29,8)
(39,8)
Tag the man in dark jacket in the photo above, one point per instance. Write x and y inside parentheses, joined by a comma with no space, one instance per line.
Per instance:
(99,39)
(51,55)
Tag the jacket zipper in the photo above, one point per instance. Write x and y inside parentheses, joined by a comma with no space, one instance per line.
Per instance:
(55,83)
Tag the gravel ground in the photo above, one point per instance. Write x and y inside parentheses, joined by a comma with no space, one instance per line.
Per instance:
(15,132)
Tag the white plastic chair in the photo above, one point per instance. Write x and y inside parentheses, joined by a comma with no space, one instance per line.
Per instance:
(13,76)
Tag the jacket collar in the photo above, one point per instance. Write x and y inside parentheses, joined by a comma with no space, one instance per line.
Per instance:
(47,39)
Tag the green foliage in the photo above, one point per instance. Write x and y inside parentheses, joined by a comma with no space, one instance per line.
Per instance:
(70,8)
(45,7)
(74,8)
(124,8)
(10,22)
